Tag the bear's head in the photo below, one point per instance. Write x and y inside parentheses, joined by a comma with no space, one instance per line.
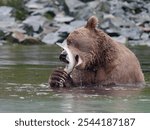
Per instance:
(84,44)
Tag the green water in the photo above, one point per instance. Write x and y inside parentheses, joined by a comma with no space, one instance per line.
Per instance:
(24,72)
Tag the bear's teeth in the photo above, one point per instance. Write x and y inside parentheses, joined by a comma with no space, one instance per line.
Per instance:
(69,67)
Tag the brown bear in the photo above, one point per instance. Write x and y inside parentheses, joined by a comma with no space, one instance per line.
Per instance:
(99,60)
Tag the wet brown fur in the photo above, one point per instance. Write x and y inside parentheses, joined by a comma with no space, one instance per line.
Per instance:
(105,61)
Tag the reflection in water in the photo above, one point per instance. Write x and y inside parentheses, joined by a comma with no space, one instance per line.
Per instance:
(98,99)
(24,71)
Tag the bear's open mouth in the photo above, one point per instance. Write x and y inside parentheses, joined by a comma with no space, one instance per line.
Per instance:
(64,58)
(69,58)
(77,58)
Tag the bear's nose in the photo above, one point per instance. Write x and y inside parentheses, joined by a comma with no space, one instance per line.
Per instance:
(63,57)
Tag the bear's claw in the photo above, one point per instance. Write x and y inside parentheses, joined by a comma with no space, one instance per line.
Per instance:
(58,78)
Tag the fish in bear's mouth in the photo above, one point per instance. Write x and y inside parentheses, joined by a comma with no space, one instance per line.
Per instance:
(67,57)
(64,57)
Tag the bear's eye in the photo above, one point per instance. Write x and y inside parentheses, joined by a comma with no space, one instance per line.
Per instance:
(69,42)
(72,43)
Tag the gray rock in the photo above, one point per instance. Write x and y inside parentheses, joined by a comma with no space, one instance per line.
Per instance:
(93,8)
(113,32)
(122,19)
(31,41)
(18,37)
(121,39)
(148,7)
(2,42)
(35,4)
(5,11)
(44,11)
(116,8)
(50,28)
(145,36)
(6,21)
(62,18)
(8,24)
(51,38)
(141,18)
(78,23)
(17,28)
(132,33)
(74,5)
(120,22)
(94,4)
(145,29)
(105,24)
(36,22)
(66,29)
(86,0)
(2,34)
(139,42)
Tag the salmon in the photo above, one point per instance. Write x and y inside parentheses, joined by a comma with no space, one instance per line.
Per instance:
(70,57)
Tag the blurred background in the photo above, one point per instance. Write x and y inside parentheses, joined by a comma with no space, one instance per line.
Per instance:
(50,21)
(29,30)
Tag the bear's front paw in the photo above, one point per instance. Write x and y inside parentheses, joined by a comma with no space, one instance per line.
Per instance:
(58,78)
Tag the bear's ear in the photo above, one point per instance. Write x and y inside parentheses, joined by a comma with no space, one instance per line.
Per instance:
(92,22)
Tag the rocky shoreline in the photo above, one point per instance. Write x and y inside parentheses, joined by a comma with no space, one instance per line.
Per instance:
(50,21)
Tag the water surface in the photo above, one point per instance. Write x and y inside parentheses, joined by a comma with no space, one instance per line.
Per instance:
(24,72)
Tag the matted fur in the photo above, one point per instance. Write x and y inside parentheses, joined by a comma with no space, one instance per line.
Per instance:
(105,61)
